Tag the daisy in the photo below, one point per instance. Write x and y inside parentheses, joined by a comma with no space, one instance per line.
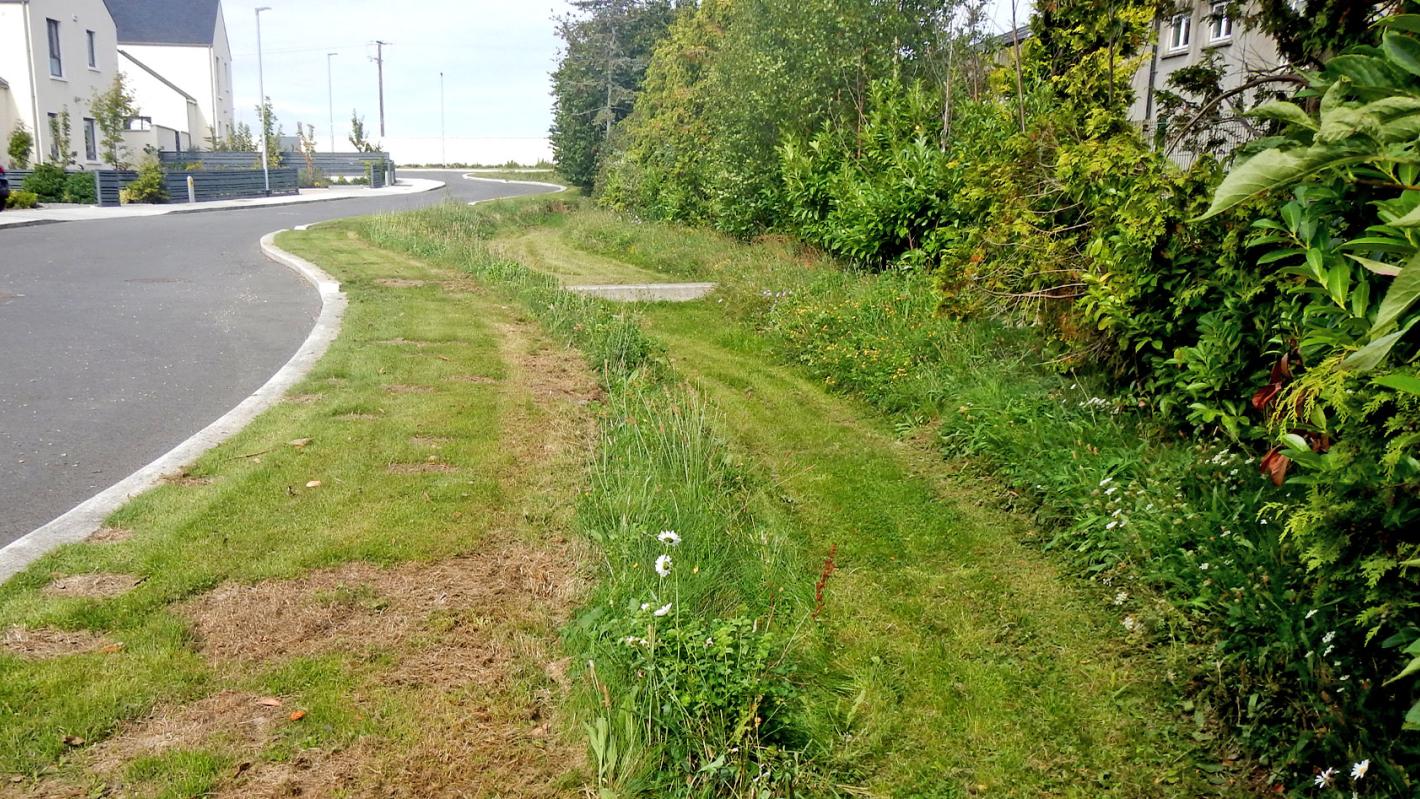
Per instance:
(1323,780)
(663,610)
(1359,770)
(663,565)
(669,537)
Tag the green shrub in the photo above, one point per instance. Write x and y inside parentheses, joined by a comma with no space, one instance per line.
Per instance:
(21,146)
(79,188)
(150,187)
(22,199)
(47,182)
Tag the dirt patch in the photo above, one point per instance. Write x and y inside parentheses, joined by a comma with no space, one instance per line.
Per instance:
(400,283)
(228,720)
(46,642)
(422,468)
(313,774)
(92,586)
(549,371)
(462,285)
(405,388)
(479,379)
(188,480)
(110,535)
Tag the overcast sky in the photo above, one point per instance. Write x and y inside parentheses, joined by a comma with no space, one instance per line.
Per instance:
(495,55)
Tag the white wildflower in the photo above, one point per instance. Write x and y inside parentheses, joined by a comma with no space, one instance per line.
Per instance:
(663,565)
(1323,780)
(645,605)
(1311,613)
(1120,598)
(669,538)
(1359,770)
(1204,566)
(1111,525)
(1130,623)
(663,610)
(1326,639)
(1110,490)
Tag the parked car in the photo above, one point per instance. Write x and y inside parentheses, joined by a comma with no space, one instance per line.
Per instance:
(4,188)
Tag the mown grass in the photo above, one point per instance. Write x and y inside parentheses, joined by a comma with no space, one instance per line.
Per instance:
(313,483)
(949,658)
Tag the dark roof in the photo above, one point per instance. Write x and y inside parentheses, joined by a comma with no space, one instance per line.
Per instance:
(4,84)
(1007,39)
(162,79)
(192,22)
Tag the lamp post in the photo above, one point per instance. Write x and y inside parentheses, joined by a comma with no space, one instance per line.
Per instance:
(330,92)
(443,148)
(261,87)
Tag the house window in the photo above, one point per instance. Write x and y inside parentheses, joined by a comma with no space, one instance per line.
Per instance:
(1220,25)
(1180,32)
(93,49)
(53,137)
(91,140)
(56,62)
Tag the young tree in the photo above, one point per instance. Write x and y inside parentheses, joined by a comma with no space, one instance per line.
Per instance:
(358,137)
(112,108)
(607,45)
(22,145)
(271,133)
(61,133)
(307,135)
(241,139)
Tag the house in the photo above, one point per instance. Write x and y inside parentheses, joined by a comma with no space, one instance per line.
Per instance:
(184,42)
(55,55)
(167,114)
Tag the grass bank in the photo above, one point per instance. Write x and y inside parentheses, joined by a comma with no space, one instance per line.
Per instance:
(359,595)
(841,612)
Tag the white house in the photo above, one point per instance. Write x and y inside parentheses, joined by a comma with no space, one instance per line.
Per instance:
(184,42)
(55,55)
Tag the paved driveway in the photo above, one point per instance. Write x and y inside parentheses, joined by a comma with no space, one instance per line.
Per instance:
(121,338)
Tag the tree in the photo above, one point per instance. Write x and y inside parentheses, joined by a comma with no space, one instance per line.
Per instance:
(112,108)
(241,139)
(271,132)
(607,47)
(61,133)
(22,144)
(358,138)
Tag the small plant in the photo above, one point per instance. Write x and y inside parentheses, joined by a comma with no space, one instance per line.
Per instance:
(22,144)
(22,199)
(79,188)
(47,182)
(112,108)
(61,132)
(150,187)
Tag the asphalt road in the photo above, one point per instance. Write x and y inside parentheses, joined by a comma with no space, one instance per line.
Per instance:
(119,339)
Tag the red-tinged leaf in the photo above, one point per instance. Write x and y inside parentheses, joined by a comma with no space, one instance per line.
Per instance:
(1275,466)
(112,649)
(297,715)
(1265,395)
(269,701)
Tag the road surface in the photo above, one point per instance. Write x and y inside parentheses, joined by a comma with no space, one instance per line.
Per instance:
(119,339)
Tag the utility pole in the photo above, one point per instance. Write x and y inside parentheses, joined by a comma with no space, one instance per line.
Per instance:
(443,141)
(380,64)
(261,87)
(330,93)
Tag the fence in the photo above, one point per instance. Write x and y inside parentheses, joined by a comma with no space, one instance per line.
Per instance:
(228,184)
(376,166)
(1218,138)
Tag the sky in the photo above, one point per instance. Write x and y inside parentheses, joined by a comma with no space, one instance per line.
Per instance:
(496,56)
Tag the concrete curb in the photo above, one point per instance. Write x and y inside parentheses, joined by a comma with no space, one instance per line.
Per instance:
(558,186)
(81,522)
(214,207)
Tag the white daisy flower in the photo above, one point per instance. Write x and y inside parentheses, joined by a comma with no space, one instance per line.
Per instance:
(669,537)
(663,610)
(1359,770)
(663,565)
(1323,780)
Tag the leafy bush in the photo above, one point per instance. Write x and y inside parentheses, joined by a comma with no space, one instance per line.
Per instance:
(21,146)
(47,182)
(22,199)
(79,188)
(149,187)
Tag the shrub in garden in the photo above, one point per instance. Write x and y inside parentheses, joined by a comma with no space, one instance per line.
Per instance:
(22,199)
(150,187)
(79,188)
(21,146)
(47,182)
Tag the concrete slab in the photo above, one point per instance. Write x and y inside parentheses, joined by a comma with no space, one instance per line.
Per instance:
(647,292)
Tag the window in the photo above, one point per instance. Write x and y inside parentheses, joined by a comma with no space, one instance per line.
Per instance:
(91,140)
(1180,32)
(1220,25)
(56,61)
(93,50)
(53,137)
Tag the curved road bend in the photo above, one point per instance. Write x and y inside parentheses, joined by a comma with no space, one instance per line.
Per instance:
(121,338)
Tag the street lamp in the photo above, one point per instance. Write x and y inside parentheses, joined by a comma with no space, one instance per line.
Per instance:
(330,91)
(261,87)
(443,147)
